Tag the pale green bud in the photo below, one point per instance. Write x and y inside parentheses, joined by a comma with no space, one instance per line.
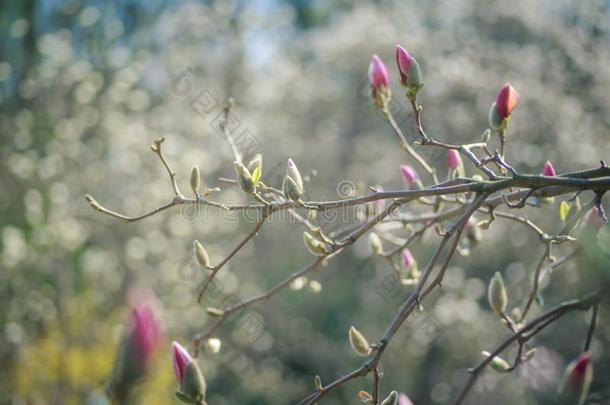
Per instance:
(314,245)
(201,255)
(293,172)
(497,364)
(195,180)
(497,294)
(318,382)
(215,312)
(244,177)
(359,343)
(291,190)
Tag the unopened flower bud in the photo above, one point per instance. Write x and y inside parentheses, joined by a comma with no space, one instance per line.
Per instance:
(378,79)
(407,258)
(576,381)
(244,177)
(290,189)
(298,283)
(195,180)
(548,169)
(501,109)
(188,375)
(391,399)
(359,343)
(410,72)
(314,245)
(454,161)
(318,382)
(497,364)
(215,312)
(213,345)
(315,286)
(409,174)
(293,187)
(180,360)
(201,255)
(496,294)
(376,244)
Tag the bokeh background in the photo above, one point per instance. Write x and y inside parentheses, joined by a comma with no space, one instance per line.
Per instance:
(86,86)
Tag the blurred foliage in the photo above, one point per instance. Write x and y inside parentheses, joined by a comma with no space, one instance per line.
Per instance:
(86,86)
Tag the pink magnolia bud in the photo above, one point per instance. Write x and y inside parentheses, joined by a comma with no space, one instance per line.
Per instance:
(180,360)
(403,399)
(453,159)
(403,61)
(410,73)
(407,258)
(146,334)
(506,101)
(378,78)
(577,379)
(409,174)
(548,170)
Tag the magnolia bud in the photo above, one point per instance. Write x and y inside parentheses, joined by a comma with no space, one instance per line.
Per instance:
(453,159)
(378,79)
(409,174)
(576,381)
(548,169)
(497,294)
(497,364)
(292,171)
(215,312)
(407,258)
(213,345)
(391,399)
(318,382)
(314,245)
(290,189)
(315,286)
(193,384)
(359,343)
(201,254)
(195,179)
(410,72)
(505,103)
(375,244)
(244,177)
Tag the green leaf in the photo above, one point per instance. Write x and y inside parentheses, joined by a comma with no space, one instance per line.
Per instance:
(564,209)
(256,174)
